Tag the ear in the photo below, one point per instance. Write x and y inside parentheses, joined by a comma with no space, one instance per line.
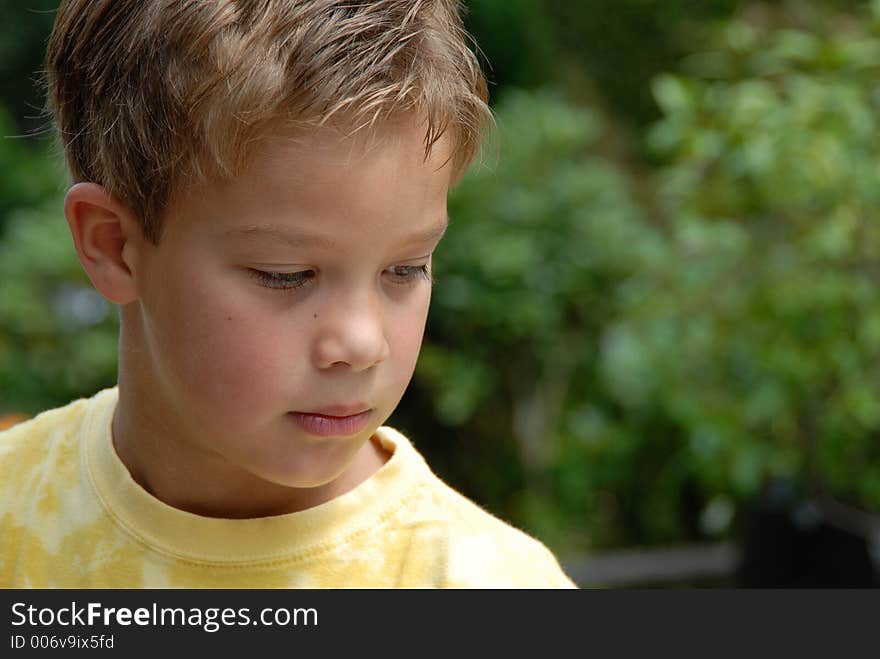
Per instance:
(107,238)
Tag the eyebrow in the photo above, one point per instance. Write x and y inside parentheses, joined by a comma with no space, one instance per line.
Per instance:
(301,239)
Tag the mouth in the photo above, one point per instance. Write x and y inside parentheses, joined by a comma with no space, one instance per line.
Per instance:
(331,425)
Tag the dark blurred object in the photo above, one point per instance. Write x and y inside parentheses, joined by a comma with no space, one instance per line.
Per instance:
(23,33)
(789,542)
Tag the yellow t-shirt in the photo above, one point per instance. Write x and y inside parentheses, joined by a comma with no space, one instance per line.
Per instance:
(72,516)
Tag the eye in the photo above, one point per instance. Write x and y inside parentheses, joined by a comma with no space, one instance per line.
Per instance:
(408,274)
(284,281)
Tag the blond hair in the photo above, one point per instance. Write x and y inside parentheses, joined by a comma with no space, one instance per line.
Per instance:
(150,96)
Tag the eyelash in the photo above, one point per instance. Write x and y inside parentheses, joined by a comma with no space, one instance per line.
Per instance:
(290,281)
(284,281)
(411,273)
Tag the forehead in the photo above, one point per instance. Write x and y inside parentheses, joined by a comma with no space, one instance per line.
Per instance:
(327,182)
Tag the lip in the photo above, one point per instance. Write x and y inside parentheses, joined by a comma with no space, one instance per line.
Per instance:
(339,410)
(324,424)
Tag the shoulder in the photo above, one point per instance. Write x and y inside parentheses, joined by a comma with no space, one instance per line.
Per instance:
(46,443)
(49,426)
(485,552)
(476,548)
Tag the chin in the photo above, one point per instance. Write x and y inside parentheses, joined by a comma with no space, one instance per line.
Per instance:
(303,479)
(312,464)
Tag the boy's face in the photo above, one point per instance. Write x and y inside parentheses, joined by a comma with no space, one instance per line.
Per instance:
(280,317)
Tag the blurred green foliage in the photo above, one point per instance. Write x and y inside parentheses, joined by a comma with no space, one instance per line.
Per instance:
(625,345)
(761,337)
(528,276)
(57,334)
(652,366)
(604,52)
(24,32)
(29,176)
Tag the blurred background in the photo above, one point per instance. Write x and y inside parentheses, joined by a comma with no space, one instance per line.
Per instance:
(655,335)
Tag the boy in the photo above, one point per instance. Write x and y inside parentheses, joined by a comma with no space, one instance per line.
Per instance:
(259,186)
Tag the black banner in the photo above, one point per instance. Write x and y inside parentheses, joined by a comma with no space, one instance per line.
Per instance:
(417,621)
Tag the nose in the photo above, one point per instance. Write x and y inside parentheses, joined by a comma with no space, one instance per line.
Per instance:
(351,333)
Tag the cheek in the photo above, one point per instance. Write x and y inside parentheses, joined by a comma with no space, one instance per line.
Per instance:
(223,348)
